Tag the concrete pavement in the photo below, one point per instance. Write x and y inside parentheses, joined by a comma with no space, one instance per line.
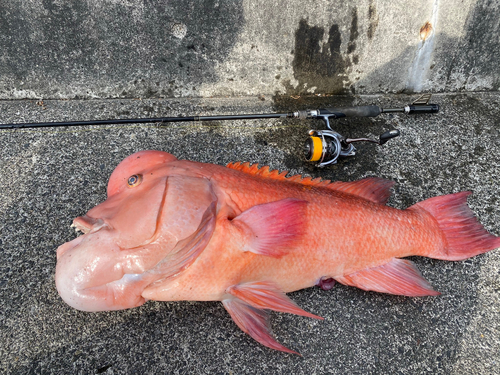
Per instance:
(48,177)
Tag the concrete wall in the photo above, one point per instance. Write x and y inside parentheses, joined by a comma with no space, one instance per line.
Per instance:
(145,48)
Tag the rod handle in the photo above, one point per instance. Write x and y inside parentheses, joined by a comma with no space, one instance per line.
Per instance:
(361,111)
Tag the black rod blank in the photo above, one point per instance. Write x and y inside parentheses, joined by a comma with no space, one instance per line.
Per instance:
(145,120)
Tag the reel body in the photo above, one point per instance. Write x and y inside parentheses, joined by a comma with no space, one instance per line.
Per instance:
(326,146)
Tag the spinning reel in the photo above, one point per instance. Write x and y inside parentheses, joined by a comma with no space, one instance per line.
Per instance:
(326,146)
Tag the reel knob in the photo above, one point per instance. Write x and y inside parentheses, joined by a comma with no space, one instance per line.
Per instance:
(388,135)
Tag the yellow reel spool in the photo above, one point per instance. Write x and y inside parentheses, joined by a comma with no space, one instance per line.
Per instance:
(314,148)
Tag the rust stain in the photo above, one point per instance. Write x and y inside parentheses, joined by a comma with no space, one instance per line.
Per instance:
(425,31)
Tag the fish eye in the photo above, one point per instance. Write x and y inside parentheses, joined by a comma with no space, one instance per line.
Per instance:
(134,180)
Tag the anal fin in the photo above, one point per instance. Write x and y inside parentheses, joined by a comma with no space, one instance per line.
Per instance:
(399,276)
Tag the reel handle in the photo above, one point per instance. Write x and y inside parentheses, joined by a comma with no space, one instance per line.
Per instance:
(388,135)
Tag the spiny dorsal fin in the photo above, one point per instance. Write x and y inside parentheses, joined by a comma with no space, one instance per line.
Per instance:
(374,189)
(264,172)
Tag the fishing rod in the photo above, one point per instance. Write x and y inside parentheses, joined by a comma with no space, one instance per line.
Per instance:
(323,146)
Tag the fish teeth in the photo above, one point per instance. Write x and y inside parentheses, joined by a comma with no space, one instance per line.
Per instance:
(76,228)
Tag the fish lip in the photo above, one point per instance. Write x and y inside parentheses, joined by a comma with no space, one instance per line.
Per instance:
(87,224)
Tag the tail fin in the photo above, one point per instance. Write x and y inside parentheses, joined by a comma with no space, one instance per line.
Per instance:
(464,235)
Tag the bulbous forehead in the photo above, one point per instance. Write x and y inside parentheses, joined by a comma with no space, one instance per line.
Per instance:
(136,164)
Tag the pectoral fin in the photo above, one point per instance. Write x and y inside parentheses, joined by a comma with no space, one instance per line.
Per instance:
(273,229)
(399,276)
(266,295)
(254,322)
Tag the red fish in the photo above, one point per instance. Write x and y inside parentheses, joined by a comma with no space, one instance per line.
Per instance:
(174,230)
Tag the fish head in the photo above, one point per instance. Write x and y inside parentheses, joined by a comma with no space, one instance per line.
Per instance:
(135,197)
(145,215)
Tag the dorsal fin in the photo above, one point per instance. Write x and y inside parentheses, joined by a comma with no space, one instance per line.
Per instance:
(374,189)
(264,172)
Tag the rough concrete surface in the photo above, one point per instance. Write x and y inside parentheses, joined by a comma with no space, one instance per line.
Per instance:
(53,49)
(48,177)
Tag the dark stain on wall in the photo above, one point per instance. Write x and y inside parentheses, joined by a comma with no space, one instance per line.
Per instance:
(373,17)
(351,47)
(318,65)
(354,34)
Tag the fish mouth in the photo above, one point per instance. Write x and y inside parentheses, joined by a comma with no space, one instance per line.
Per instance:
(83,224)
(87,224)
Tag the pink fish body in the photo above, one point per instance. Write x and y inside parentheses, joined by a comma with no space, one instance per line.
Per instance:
(174,230)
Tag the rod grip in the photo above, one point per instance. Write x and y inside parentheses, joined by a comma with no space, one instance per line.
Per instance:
(361,111)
